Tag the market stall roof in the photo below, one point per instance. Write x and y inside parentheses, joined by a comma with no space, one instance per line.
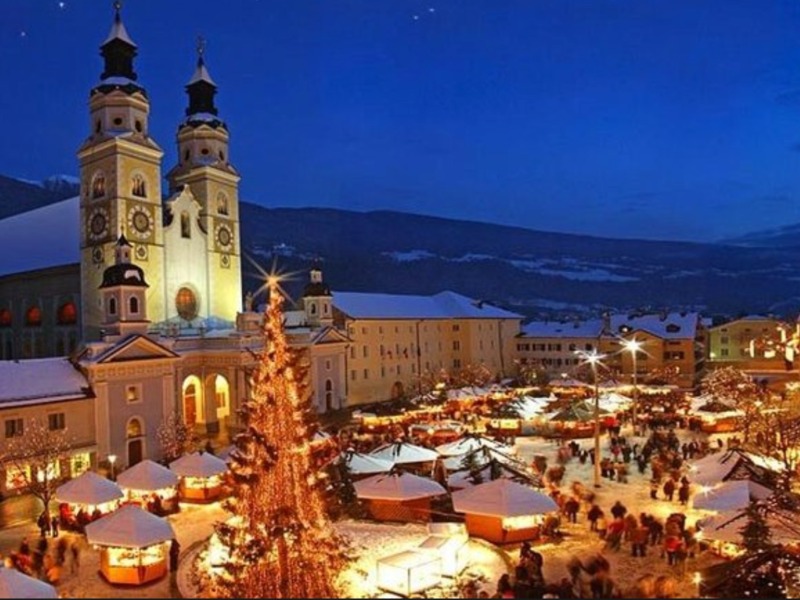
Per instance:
(762,574)
(480,457)
(397,486)
(502,498)
(198,464)
(88,488)
(727,527)
(14,584)
(403,453)
(578,412)
(731,495)
(470,443)
(716,468)
(147,476)
(129,527)
(614,401)
(492,470)
(364,464)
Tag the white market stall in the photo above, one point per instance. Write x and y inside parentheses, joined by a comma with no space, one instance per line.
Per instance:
(503,511)
(412,457)
(134,545)
(14,584)
(146,480)
(364,465)
(201,476)
(408,573)
(723,532)
(89,494)
(471,443)
(731,495)
(450,548)
(398,496)
(719,467)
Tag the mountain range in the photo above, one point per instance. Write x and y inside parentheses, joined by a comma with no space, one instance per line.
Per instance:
(539,274)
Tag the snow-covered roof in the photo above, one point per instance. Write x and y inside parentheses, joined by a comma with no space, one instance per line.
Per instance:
(129,527)
(90,489)
(557,329)
(727,527)
(56,240)
(14,584)
(502,498)
(444,305)
(464,478)
(670,326)
(469,444)
(198,464)
(402,453)
(364,464)
(731,495)
(397,486)
(147,476)
(40,380)
(481,457)
(713,469)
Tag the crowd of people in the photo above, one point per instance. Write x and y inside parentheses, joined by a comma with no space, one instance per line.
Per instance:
(45,560)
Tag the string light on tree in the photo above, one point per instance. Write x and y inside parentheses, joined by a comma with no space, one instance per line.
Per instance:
(280,543)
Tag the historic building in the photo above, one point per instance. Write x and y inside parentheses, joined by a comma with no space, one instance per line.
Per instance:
(673,345)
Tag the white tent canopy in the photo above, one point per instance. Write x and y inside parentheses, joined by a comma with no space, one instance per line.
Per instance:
(502,498)
(147,476)
(129,527)
(364,464)
(722,528)
(613,401)
(711,470)
(14,584)
(469,444)
(482,457)
(401,453)
(89,488)
(731,495)
(198,464)
(397,486)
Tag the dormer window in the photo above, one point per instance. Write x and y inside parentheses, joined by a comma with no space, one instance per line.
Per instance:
(139,186)
(98,186)
(672,328)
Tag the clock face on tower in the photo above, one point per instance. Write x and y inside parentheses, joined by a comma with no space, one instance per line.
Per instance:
(139,222)
(224,236)
(98,224)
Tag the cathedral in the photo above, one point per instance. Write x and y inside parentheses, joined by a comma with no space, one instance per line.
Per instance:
(138,316)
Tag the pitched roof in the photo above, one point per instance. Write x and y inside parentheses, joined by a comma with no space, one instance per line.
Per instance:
(556,329)
(672,325)
(41,380)
(444,305)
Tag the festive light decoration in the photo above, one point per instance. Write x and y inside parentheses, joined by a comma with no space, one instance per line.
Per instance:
(280,543)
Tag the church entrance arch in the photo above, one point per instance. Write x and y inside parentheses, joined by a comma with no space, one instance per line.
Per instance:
(222,395)
(193,413)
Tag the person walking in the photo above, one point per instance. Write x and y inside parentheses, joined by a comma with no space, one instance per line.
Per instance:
(669,489)
(595,512)
(683,493)
(174,556)
(44,523)
(54,526)
(639,538)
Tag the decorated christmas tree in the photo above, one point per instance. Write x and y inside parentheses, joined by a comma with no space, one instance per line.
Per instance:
(279,542)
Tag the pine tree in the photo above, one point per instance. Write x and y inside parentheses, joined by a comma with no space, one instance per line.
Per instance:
(756,535)
(471,463)
(280,542)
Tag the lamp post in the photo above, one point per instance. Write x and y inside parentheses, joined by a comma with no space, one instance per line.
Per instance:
(633,346)
(112,458)
(593,358)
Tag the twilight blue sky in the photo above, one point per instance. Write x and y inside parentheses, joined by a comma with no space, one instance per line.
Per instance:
(671,119)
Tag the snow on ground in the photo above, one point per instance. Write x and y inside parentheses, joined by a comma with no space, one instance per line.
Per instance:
(635,495)
(373,541)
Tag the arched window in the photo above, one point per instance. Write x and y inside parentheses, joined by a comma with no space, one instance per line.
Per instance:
(134,428)
(5,317)
(139,186)
(313,308)
(186,304)
(67,314)
(98,185)
(328,394)
(222,204)
(112,306)
(186,225)
(134,305)
(33,318)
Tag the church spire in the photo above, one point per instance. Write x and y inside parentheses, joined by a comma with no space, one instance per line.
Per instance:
(118,50)
(201,88)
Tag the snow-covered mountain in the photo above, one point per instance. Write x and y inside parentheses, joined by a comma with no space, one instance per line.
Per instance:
(17,196)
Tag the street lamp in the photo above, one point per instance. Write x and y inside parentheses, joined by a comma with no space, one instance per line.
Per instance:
(633,346)
(593,358)
(112,458)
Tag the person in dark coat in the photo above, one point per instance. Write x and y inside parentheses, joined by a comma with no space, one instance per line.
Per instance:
(683,493)
(618,510)
(54,526)
(174,556)
(44,524)
(595,512)
(669,489)
(571,508)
